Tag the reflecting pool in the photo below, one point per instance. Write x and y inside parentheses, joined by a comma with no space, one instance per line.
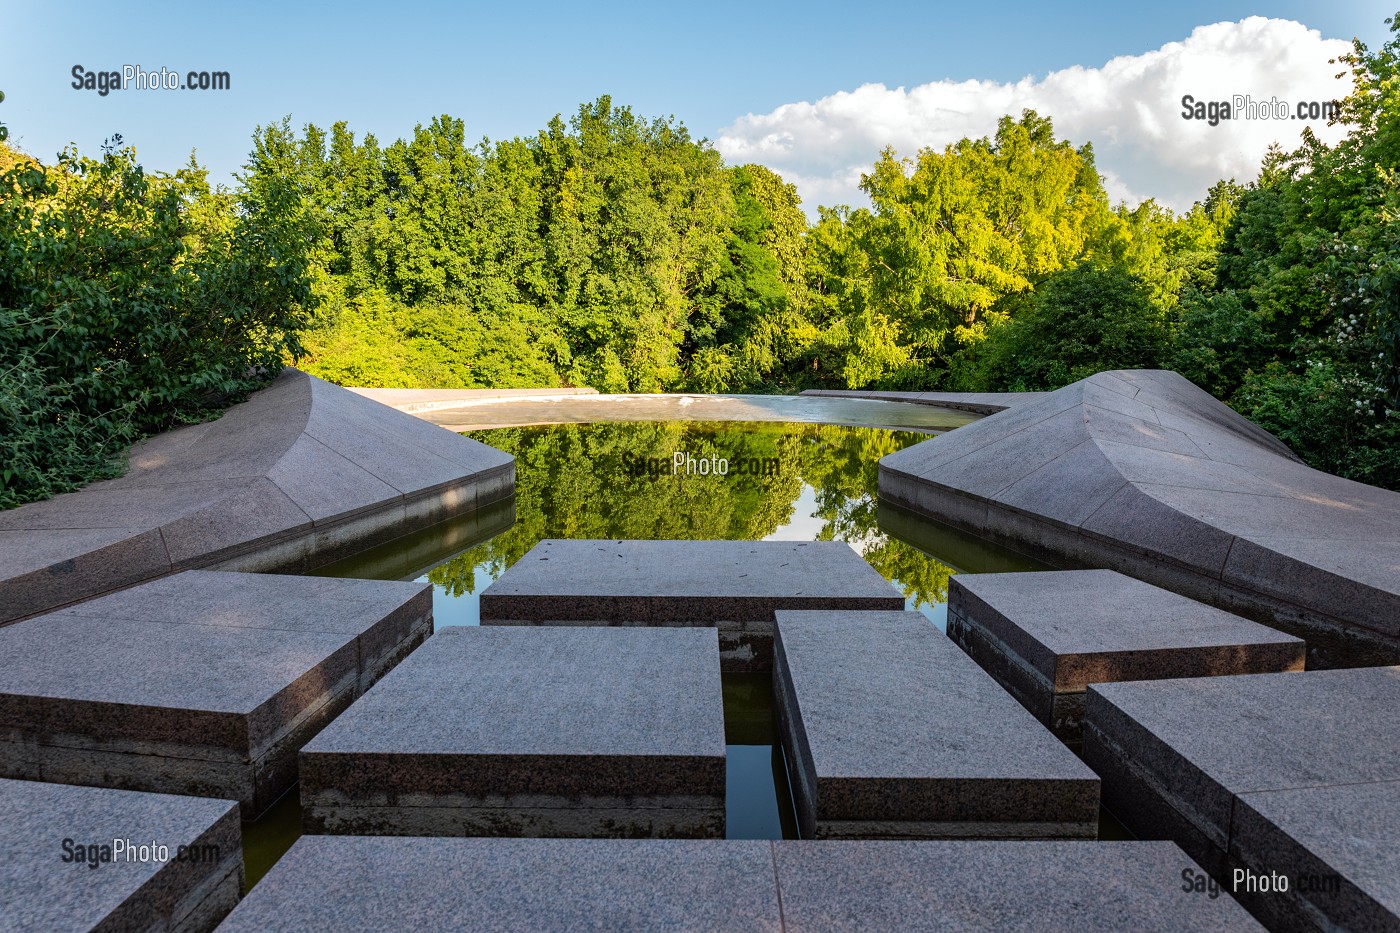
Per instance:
(765,480)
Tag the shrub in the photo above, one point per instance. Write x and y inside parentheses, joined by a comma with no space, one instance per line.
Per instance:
(1085,320)
(130,302)
(1330,417)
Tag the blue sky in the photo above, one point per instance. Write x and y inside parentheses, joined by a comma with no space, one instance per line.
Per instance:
(506,68)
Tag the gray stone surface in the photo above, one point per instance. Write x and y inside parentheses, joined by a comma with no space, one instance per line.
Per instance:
(39,890)
(890,731)
(735,586)
(530,732)
(389,884)
(201,683)
(1270,772)
(1141,472)
(1336,845)
(1046,636)
(585,885)
(966,885)
(300,474)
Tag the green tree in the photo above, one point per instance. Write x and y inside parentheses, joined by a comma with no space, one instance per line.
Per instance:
(131,301)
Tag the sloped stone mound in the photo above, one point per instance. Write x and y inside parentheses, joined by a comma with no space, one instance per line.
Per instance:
(1142,472)
(300,474)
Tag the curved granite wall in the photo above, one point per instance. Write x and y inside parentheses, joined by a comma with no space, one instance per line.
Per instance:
(300,474)
(1142,472)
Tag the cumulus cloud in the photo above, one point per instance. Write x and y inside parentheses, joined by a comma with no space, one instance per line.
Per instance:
(1129,108)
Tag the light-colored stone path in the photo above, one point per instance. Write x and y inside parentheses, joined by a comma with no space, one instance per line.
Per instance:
(393,884)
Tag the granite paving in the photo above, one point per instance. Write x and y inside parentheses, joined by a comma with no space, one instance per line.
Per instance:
(1293,774)
(530,732)
(891,731)
(390,884)
(204,683)
(967,885)
(735,586)
(1140,471)
(71,858)
(302,473)
(1046,636)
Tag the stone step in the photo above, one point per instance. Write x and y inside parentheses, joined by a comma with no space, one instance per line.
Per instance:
(391,884)
(735,586)
(890,731)
(92,858)
(530,732)
(201,683)
(1261,777)
(1045,636)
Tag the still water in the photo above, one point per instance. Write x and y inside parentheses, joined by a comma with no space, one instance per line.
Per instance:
(799,481)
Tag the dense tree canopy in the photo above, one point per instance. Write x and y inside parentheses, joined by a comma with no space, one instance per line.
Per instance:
(619,252)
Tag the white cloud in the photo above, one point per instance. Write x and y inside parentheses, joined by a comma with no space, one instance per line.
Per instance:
(1130,109)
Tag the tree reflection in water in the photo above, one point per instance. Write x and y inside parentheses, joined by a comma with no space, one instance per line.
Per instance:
(587,481)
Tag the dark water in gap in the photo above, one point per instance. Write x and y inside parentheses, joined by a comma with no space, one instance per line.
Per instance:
(802,482)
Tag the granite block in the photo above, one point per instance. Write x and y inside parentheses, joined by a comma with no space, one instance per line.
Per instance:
(300,474)
(1046,636)
(51,568)
(695,582)
(1335,845)
(890,731)
(46,828)
(202,683)
(733,585)
(389,884)
(1031,886)
(1158,480)
(1258,771)
(543,731)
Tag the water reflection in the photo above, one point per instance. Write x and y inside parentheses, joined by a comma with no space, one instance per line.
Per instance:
(581,481)
(614,480)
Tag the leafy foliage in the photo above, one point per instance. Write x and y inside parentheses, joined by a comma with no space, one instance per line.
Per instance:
(572,481)
(131,301)
(1079,322)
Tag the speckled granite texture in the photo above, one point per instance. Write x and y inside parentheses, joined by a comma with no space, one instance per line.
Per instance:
(1045,636)
(1296,774)
(43,885)
(204,683)
(530,732)
(891,731)
(598,885)
(1141,472)
(300,474)
(735,586)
